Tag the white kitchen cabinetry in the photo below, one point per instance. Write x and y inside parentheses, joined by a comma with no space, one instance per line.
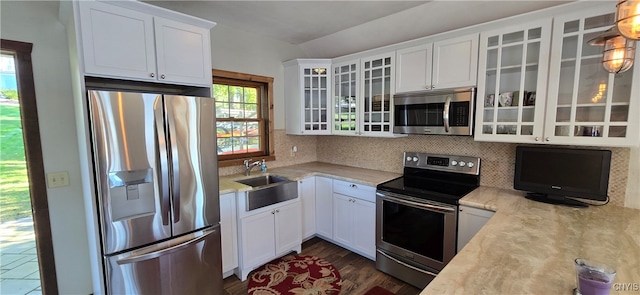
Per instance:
(324,207)
(354,223)
(346,98)
(307,96)
(470,220)
(228,233)
(443,64)
(513,63)
(377,83)
(273,231)
(124,43)
(363,96)
(307,195)
(586,105)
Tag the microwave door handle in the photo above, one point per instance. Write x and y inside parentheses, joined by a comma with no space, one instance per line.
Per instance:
(163,171)
(445,113)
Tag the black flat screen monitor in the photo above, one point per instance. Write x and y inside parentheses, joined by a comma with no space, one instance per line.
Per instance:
(557,175)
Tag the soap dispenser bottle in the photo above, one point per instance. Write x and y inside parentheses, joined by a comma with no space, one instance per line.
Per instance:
(263,166)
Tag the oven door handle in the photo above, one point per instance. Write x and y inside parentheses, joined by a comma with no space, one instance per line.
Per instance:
(416,204)
(406,265)
(445,113)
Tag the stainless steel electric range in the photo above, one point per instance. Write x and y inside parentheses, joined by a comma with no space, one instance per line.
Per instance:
(417,215)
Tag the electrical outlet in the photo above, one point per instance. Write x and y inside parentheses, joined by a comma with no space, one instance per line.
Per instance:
(57,179)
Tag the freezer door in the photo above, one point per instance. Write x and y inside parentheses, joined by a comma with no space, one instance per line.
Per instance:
(190,264)
(131,177)
(194,162)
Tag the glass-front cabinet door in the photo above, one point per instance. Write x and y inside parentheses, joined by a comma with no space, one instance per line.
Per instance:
(345,98)
(587,105)
(377,83)
(307,94)
(513,67)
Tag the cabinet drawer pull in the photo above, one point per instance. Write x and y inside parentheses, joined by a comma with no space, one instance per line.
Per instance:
(353,186)
(162,76)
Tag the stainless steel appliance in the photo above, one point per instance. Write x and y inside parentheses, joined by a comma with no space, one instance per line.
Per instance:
(417,215)
(157,186)
(447,112)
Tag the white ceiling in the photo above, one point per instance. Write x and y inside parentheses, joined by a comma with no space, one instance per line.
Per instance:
(302,22)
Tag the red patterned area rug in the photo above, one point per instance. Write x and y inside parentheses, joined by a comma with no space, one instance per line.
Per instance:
(377,290)
(295,274)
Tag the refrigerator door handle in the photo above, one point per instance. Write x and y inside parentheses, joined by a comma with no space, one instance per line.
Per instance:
(175,163)
(158,109)
(165,251)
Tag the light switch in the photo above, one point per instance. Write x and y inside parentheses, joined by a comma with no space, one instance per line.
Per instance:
(57,179)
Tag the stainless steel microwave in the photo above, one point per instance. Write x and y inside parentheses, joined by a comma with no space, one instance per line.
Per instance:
(442,112)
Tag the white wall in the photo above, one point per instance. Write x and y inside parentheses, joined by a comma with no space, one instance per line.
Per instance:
(37,22)
(240,51)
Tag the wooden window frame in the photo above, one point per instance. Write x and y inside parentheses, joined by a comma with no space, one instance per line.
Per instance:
(267,144)
(35,163)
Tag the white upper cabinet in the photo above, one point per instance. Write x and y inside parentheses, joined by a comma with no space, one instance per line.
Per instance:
(582,104)
(586,104)
(183,53)
(376,88)
(414,68)
(307,92)
(512,82)
(123,43)
(363,96)
(443,64)
(346,98)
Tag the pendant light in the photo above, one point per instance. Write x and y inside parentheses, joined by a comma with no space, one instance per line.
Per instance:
(618,51)
(628,18)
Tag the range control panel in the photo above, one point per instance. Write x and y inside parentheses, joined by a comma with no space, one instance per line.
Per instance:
(449,163)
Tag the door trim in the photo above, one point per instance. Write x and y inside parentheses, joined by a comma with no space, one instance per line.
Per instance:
(35,163)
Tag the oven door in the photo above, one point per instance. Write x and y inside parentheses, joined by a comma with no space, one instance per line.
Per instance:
(450,113)
(422,233)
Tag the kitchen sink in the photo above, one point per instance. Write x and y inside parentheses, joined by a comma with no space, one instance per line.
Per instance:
(268,190)
(262,180)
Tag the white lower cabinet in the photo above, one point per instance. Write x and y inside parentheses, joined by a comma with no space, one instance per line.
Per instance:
(324,207)
(271,232)
(307,195)
(470,220)
(228,233)
(354,218)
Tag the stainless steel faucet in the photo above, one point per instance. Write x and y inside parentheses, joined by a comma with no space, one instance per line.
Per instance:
(248,165)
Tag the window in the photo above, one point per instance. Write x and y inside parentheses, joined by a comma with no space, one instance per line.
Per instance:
(243,113)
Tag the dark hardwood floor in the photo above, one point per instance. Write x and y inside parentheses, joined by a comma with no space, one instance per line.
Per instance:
(359,274)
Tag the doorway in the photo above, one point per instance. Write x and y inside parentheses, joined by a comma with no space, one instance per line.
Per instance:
(26,248)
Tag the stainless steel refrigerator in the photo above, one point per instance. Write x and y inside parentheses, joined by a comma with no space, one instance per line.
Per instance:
(157,186)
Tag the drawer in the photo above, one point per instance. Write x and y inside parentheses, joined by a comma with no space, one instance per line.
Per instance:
(356,190)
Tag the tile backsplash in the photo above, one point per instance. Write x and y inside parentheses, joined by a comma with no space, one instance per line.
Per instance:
(497,159)
(307,146)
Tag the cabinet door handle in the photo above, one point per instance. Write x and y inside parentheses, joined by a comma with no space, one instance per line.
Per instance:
(433,86)
(278,211)
(162,76)
(273,212)
(353,186)
(152,75)
(537,138)
(547,139)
